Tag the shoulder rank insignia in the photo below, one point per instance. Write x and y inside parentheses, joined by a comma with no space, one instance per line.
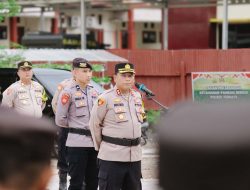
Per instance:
(59,87)
(94,93)
(101,101)
(78,93)
(118,92)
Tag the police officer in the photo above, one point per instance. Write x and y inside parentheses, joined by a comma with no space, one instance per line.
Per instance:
(25,96)
(25,147)
(73,110)
(115,126)
(62,164)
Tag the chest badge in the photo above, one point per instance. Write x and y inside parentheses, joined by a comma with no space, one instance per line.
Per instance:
(117,100)
(81,103)
(121,116)
(25,102)
(78,94)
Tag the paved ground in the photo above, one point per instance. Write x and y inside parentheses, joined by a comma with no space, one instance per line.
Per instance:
(149,169)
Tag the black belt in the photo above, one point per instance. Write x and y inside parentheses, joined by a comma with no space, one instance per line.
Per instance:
(122,141)
(80,131)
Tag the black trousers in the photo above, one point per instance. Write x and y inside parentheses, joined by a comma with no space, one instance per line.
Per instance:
(82,167)
(62,164)
(119,175)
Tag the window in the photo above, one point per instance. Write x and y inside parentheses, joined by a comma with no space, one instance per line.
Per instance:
(100,19)
(3,32)
(148,36)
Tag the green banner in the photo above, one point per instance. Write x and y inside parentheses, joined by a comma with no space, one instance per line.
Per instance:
(220,86)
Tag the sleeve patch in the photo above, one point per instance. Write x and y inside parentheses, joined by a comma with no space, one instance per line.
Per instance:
(101,101)
(65,98)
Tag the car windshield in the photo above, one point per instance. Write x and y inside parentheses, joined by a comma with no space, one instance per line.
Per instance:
(50,78)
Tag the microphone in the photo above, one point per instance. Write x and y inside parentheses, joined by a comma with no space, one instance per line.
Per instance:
(143,88)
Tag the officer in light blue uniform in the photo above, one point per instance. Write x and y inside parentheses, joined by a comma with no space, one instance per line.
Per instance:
(73,110)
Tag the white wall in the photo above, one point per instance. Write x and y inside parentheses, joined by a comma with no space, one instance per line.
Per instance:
(32,24)
(147,15)
(139,27)
(111,25)
(235,11)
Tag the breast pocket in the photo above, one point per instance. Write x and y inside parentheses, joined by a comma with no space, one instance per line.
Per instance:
(140,112)
(81,108)
(120,114)
(39,98)
(24,99)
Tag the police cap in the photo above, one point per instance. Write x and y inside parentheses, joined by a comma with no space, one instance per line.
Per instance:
(24,64)
(124,68)
(81,63)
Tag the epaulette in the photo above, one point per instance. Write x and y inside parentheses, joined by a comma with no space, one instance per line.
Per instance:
(90,86)
(69,86)
(106,92)
(136,92)
(36,83)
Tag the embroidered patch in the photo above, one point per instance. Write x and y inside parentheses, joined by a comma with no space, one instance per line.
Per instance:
(132,93)
(65,98)
(101,101)
(121,104)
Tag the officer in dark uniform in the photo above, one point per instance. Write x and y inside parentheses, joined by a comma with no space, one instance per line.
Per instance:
(25,148)
(115,126)
(205,147)
(73,111)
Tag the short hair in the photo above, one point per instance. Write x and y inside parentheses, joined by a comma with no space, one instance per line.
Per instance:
(26,144)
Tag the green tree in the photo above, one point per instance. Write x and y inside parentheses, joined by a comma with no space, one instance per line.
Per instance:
(8,8)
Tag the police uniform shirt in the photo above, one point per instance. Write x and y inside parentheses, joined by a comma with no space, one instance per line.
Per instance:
(115,116)
(73,111)
(60,87)
(26,99)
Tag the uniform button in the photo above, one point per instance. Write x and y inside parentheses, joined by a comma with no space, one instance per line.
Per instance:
(121,116)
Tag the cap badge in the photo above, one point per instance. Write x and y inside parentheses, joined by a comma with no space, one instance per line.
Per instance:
(82,64)
(127,66)
(26,64)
